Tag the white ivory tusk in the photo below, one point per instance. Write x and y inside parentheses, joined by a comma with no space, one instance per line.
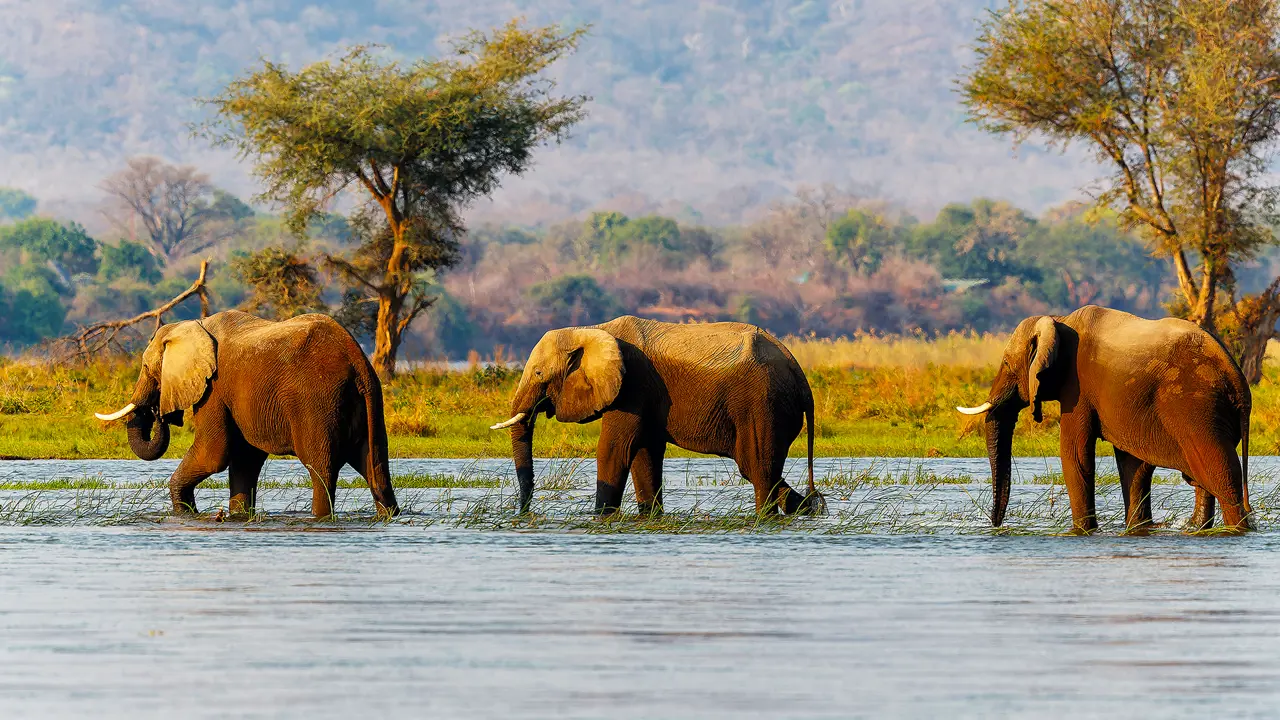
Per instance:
(514,419)
(975,411)
(117,414)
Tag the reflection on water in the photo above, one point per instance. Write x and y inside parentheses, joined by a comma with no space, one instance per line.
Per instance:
(152,620)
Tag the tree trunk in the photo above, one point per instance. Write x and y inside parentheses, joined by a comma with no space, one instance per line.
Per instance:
(387,335)
(1257,316)
(391,299)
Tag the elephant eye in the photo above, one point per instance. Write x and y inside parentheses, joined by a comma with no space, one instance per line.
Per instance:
(538,373)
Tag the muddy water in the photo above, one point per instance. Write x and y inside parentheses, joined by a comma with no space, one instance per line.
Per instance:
(429,619)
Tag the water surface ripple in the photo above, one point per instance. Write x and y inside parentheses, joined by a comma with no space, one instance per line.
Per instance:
(206,620)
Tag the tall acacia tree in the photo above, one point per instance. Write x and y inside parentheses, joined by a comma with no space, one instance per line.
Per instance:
(419,140)
(1181,98)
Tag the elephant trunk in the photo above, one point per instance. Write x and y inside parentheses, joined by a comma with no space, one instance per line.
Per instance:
(522,455)
(524,411)
(999,430)
(148,434)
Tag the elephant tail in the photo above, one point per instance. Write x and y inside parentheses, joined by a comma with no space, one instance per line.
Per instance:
(808,421)
(379,477)
(1244,455)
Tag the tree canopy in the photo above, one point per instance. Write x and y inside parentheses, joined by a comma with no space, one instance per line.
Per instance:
(418,140)
(1180,98)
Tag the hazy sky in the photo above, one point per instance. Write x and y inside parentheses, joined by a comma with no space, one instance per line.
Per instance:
(706,106)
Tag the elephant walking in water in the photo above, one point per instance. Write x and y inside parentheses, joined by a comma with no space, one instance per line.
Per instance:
(255,387)
(1165,393)
(724,389)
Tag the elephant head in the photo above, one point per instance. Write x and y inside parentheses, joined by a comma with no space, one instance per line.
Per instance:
(1027,365)
(176,367)
(573,375)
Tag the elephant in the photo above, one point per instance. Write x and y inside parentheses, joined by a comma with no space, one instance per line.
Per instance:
(726,389)
(255,387)
(1164,393)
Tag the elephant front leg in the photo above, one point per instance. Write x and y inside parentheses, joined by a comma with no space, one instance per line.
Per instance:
(190,473)
(646,475)
(619,432)
(1077,446)
(242,476)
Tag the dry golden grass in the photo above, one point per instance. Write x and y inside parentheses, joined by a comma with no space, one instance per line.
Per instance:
(957,349)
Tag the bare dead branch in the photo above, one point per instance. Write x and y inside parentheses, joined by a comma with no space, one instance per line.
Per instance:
(93,339)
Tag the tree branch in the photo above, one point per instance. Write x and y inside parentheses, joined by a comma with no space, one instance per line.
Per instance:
(100,336)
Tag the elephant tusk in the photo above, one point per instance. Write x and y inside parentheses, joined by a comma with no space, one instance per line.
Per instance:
(506,424)
(117,414)
(975,410)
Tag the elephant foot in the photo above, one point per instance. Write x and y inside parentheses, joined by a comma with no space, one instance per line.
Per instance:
(1196,524)
(1140,530)
(813,504)
(608,513)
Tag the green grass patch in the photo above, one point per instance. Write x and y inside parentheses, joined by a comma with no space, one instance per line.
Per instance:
(882,411)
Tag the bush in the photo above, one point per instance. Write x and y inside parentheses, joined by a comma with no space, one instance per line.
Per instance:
(573,300)
(129,260)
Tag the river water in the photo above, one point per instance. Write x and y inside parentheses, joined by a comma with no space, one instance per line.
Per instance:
(921,612)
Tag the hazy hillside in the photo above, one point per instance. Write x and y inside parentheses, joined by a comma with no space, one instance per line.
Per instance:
(717,104)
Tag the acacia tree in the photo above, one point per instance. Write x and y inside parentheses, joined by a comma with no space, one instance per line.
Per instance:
(419,140)
(1181,98)
(171,201)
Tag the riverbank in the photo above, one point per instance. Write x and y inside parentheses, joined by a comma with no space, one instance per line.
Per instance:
(874,397)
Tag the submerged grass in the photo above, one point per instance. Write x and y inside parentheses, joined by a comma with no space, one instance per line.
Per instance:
(858,504)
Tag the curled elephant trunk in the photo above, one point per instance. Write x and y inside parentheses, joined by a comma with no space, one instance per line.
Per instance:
(999,431)
(148,434)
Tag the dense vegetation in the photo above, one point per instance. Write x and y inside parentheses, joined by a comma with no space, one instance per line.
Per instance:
(823,264)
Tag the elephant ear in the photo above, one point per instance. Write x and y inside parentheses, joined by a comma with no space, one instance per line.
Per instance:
(593,377)
(1044,352)
(187,363)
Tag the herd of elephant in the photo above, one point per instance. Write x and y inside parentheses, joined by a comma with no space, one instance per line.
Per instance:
(1164,393)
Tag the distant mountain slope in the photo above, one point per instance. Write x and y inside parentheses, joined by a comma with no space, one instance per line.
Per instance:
(720,104)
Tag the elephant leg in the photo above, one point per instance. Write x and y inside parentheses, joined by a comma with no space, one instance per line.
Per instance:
(378,478)
(242,475)
(1135,485)
(1077,446)
(619,444)
(1218,472)
(208,455)
(324,468)
(1206,506)
(760,462)
(646,475)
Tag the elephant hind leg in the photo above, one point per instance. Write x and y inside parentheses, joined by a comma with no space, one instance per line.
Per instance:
(323,468)
(762,465)
(1135,486)
(1202,516)
(378,478)
(1217,471)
